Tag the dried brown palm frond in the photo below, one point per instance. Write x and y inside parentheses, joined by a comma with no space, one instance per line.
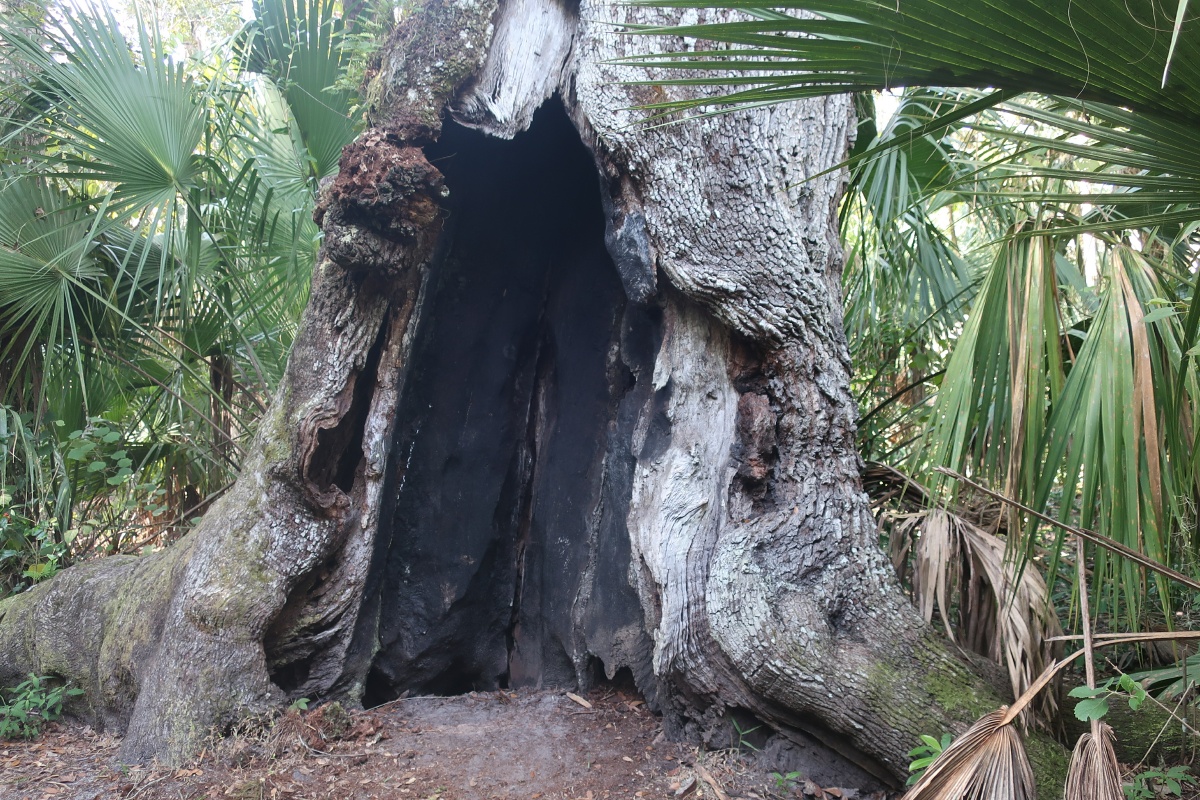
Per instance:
(1003,611)
(988,762)
(1094,773)
(888,487)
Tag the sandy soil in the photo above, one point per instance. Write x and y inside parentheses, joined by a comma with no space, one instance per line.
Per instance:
(530,745)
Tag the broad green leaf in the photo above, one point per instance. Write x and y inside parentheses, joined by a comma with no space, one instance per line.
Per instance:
(1088,710)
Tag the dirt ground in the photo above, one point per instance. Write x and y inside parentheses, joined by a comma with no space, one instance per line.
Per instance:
(529,745)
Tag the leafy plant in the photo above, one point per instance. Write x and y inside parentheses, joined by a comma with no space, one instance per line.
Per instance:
(156,244)
(1093,703)
(30,704)
(29,549)
(925,754)
(786,781)
(1169,683)
(1152,783)
(62,495)
(742,734)
(34,499)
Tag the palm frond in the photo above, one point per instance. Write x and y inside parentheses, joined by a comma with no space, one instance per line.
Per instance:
(1002,610)
(901,262)
(1105,433)
(299,45)
(1094,773)
(1134,170)
(48,269)
(1005,367)
(1112,51)
(131,121)
(988,761)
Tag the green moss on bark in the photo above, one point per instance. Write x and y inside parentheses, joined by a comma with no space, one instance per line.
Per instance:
(1049,760)
(1149,733)
(954,694)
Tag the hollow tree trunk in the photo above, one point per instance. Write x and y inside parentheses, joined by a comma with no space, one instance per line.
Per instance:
(570,398)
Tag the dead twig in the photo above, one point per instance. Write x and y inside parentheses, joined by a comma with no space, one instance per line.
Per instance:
(135,791)
(403,696)
(1083,533)
(1093,773)
(317,752)
(1148,636)
(711,781)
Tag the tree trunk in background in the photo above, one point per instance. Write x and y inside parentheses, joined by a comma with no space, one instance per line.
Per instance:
(570,400)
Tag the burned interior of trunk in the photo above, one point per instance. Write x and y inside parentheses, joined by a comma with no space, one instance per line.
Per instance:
(502,557)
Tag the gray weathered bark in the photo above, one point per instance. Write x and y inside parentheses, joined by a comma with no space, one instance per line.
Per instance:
(654,470)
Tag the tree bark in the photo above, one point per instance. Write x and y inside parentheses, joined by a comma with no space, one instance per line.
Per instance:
(570,398)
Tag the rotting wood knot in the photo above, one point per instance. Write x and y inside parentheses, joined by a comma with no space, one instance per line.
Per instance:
(382,211)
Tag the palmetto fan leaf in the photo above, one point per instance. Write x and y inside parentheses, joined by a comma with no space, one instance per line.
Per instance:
(901,261)
(1104,59)
(48,269)
(987,762)
(1003,611)
(1094,773)
(1115,431)
(1095,167)
(1006,364)
(199,250)
(1113,51)
(299,45)
(906,283)
(133,123)
(1029,407)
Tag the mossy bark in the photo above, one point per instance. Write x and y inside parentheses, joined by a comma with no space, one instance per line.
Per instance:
(1148,735)
(95,625)
(714,538)
(1050,763)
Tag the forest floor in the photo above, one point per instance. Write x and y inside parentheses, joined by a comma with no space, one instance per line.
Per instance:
(529,745)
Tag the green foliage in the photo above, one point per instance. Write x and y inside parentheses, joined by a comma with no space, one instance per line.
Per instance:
(786,781)
(24,708)
(743,741)
(157,226)
(34,503)
(299,704)
(299,45)
(1094,702)
(30,550)
(1169,683)
(791,50)
(1021,293)
(925,754)
(156,244)
(94,490)
(1152,783)
(362,41)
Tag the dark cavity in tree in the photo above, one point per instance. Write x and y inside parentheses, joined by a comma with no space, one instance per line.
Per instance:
(339,449)
(503,555)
